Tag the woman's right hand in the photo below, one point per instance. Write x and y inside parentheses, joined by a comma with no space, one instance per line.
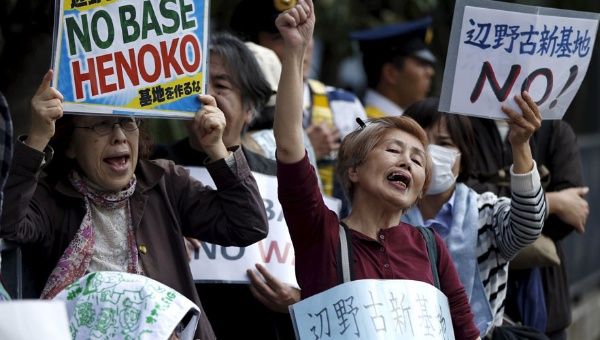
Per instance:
(46,108)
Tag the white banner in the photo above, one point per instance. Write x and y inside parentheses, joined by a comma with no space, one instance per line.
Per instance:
(497,50)
(374,309)
(213,263)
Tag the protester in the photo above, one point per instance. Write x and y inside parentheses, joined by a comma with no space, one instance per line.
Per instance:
(538,297)
(329,112)
(398,65)
(482,232)
(83,194)
(260,312)
(383,166)
(6,146)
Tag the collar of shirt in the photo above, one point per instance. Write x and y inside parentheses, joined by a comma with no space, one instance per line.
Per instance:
(443,220)
(374,98)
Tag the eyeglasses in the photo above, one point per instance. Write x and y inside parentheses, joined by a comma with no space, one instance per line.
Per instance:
(106,127)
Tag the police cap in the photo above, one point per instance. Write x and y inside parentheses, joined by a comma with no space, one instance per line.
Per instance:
(384,43)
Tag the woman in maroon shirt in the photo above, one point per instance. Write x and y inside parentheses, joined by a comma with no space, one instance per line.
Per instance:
(383,166)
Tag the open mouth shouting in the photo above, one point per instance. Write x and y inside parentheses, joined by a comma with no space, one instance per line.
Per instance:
(118,162)
(400,179)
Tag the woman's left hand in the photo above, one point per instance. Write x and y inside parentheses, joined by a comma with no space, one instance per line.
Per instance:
(522,126)
(209,125)
(274,294)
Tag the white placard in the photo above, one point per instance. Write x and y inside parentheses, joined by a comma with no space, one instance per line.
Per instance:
(213,263)
(34,319)
(374,309)
(497,50)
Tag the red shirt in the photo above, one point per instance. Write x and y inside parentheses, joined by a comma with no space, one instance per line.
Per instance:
(399,252)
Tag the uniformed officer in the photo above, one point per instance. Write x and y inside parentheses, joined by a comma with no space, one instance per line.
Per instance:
(398,65)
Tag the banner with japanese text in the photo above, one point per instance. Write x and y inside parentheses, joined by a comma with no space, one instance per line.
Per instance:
(214,263)
(144,58)
(374,309)
(498,50)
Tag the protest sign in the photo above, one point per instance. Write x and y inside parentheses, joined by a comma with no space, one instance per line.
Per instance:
(144,58)
(497,50)
(374,309)
(213,263)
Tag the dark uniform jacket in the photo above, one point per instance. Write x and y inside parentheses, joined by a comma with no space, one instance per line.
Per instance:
(554,146)
(166,205)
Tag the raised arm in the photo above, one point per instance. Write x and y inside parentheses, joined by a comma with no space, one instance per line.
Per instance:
(296,27)
(519,221)
(46,108)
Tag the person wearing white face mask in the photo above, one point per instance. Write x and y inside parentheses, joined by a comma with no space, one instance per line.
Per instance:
(442,176)
(483,232)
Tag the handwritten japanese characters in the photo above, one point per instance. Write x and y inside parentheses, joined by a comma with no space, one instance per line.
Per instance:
(374,309)
(498,50)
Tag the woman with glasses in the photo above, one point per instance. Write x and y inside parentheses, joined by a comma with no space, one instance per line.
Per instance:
(384,168)
(81,192)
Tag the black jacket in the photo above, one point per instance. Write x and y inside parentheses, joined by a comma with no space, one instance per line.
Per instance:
(232,310)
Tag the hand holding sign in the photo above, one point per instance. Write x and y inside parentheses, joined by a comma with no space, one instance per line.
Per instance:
(274,294)
(499,49)
(209,125)
(46,108)
(522,126)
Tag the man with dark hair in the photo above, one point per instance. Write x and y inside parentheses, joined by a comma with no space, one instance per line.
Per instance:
(398,65)
(237,311)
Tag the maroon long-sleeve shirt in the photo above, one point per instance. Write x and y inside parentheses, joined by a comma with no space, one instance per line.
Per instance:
(399,252)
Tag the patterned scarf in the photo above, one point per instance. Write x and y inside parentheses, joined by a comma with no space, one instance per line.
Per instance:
(75,260)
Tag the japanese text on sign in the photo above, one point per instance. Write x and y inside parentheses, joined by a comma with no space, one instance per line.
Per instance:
(374,309)
(499,50)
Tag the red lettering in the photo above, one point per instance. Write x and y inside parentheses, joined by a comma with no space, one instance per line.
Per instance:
(148,63)
(549,82)
(487,72)
(149,78)
(193,41)
(129,68)
(168,58)
(104,72)
(274,249)
(80,76)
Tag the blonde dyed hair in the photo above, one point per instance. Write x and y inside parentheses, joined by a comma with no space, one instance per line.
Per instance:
(357,145)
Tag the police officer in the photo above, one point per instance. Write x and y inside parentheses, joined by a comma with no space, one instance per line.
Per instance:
(398,65)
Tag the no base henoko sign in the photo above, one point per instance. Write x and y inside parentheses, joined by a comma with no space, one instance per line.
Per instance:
(146,58)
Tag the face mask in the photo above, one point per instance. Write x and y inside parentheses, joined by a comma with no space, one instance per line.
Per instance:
(442,177)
